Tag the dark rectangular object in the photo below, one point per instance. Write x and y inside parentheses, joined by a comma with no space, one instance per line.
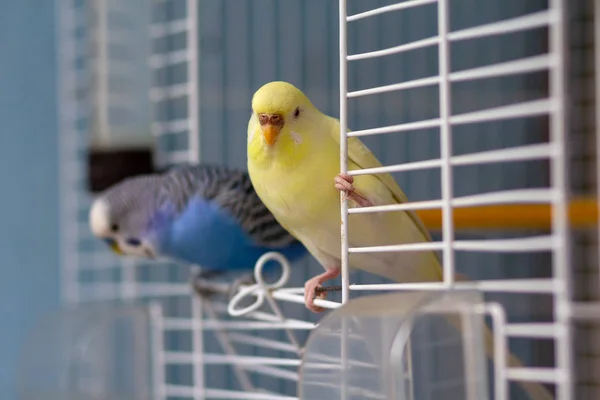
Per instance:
(107,167)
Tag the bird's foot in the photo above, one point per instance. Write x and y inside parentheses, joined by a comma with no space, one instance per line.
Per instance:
(310,288)
(202,285)
(209,274)
(344,182)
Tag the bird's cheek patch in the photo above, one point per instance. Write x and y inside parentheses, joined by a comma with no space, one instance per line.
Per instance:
(296,137)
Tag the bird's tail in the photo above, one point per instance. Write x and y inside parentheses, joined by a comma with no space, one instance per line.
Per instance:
(536,391)
(427,272)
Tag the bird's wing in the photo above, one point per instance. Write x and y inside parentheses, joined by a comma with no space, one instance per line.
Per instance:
(360,155)
(389,229)
(232,190)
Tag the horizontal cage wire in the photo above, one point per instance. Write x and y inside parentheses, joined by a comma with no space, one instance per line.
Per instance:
(462,101)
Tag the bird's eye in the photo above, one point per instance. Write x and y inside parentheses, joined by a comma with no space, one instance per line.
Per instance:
(133,242)
(114,227)
(297,112)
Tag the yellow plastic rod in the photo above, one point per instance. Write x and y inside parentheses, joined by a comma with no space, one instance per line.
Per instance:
(583,214)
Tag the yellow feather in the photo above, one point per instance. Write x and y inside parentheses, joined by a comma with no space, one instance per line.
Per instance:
(360,157)
(305,201)
(294,179)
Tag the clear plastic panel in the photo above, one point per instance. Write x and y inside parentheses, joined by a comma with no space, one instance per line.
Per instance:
(399,346)
(91,352)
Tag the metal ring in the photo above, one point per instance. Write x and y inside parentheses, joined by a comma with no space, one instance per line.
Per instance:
(260,289)
(250,290)
(285,270)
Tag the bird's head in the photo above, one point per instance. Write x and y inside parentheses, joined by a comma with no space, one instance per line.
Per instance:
(121,219)
(279,107)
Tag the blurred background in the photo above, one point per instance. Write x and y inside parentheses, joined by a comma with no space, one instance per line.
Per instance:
(29,249)
(92,91)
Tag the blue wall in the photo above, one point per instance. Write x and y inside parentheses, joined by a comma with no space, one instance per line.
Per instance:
(29,274)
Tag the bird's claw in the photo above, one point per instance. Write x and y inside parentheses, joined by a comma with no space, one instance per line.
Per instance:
(310,288)
(344,183)
(202,287)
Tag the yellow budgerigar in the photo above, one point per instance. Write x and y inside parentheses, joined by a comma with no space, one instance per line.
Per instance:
(294,160)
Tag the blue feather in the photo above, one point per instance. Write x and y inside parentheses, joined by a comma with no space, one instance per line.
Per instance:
(205,234)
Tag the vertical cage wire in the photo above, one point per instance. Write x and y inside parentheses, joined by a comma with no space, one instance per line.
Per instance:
(343,200)
(445,105)
(102,68)
(68,112)
(560,223)
(193,106)
(583,154)
(596,24)
(344,143)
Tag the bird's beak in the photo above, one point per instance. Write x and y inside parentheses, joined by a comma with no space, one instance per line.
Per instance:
(270,133)
(115,247)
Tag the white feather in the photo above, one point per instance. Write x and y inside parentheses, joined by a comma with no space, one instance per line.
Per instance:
(99,218)
(296,137)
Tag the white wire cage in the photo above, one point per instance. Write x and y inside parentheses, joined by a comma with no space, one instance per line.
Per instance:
(472,100)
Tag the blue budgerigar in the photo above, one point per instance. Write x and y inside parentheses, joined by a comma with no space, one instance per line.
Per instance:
(202,214)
